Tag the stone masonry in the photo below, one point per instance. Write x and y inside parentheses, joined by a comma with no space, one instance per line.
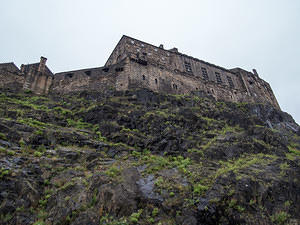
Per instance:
(136,64)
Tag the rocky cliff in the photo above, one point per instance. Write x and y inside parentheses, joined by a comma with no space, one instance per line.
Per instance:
(139,157)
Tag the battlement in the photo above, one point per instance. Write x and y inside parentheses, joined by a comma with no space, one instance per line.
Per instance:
(137,64)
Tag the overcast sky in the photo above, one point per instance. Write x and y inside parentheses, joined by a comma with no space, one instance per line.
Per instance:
(74,34)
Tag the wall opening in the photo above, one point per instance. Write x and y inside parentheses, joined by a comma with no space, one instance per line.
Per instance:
(155,81)
(218,77)
(69,75)
(204,73)
(230,82)
(188,67)
(88,72)
(144,78)
(119,69)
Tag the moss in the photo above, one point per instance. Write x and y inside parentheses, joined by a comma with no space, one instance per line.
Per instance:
(113,171)
(3,136)
(4,172)
(280,218)
(38,154)
(261,142)
(155,212)
(293,150)
(33,123)
(199,189)
(79,124)
(134,217)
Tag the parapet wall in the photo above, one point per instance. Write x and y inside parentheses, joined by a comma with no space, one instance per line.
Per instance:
(100,78)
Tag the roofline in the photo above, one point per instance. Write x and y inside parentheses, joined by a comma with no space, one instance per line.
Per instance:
(123,36)
(73,71)
(9,63)
(181,54)
(30,64)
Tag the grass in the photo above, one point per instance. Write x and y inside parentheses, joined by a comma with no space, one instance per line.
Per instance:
(280,218)
(199,189)
(243,162)
(33,123)
(113,172)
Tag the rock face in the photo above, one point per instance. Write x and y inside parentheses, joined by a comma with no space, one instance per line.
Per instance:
(138,157)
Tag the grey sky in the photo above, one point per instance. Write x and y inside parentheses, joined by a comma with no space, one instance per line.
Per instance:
(73,34)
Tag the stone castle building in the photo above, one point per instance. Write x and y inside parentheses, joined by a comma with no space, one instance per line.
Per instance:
(136,64)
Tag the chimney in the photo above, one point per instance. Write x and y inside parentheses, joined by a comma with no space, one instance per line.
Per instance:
(42,65)
(22,68)
(255,72)
(161,46)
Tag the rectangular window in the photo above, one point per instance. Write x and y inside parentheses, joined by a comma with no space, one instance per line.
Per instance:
(218,76)
(230,82)
(188,67)
(204,73)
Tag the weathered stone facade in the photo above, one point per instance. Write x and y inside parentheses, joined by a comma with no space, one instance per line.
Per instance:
(38,77)
(10,77)
(136,64)
(169,71)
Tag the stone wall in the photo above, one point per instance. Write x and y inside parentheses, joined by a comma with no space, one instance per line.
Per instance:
(169,71)
(100,78)
(10,77)
(136,64)
(37,82)
(38,77)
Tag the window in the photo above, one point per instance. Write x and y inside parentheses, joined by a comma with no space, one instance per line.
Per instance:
(204,73)
(88,72)
(175,86)
(230,82)
(188,67)
(156,81)
(119,69)
(218,76)
(144,78)
(69,75)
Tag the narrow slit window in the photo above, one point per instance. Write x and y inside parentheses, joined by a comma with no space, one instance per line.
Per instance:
(144,78)
(156,81)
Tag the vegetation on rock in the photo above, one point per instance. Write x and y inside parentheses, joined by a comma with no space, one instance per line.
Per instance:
(139,157)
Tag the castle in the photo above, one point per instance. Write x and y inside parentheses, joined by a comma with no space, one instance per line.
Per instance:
(136,64)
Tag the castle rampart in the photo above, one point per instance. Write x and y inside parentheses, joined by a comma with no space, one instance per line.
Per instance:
(136,64)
